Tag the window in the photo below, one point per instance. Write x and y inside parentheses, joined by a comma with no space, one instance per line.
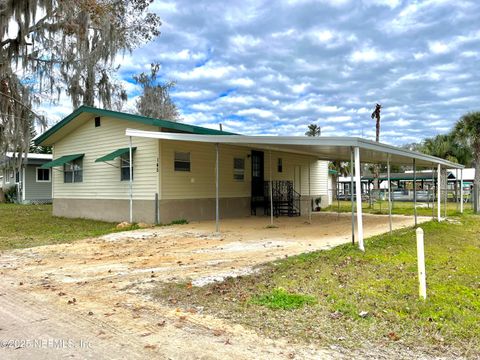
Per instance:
(43,175)
(182,161)
(73,171)
(17,177)
(280,165)
(97,121)
(239,169)
(125,167)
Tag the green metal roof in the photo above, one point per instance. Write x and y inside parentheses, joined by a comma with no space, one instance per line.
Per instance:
(113,155)
(193,129)
(61,161)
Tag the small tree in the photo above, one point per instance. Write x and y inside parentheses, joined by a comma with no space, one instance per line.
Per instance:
(313,130)
(155,100)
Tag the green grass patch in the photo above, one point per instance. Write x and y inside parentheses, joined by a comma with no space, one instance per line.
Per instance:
(178,222)
(281,299)
(23,226)
(362,299)
(400,208)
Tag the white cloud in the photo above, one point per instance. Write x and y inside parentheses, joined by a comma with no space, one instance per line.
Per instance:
(246,82)
(257,112)
(209,71)
(439,47)
(193,95)
(299,88)
(369,54)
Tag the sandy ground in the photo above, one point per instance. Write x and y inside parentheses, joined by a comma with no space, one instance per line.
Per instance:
(92,294)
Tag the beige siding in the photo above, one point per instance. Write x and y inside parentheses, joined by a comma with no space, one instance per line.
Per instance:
(200,181)
(296,163)
(320,177)
(100,180)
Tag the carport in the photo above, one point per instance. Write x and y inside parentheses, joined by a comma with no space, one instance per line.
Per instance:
(348,149)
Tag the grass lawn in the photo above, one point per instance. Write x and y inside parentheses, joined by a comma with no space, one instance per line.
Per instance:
(23,226)
(361,300)
(400,208)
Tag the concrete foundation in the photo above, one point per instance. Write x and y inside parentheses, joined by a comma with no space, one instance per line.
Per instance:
(144,210)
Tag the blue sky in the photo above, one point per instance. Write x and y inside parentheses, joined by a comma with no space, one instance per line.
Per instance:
(273,67)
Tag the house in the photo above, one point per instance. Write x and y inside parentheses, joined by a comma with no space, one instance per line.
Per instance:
(33,183)
(91,160)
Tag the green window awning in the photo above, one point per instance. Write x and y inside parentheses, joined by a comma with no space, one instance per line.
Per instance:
(115,154)
(62,161)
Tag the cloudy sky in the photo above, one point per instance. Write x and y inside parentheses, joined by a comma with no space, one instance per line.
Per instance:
(272,67)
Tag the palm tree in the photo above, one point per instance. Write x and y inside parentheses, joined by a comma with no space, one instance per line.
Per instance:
(467,131)
(376,115)
(313,130)
(376,169)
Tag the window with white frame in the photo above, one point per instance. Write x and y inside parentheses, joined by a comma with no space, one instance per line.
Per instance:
(239,169)
(73,171)
(182,161)
(43,175)
(125,167)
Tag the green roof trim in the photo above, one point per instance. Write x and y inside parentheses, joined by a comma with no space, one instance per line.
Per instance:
(61,161)
(193,129)
(115,154)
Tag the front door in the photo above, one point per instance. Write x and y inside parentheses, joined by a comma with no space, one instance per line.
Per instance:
(257,173)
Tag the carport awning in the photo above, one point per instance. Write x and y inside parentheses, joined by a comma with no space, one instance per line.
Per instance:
(322,147)
(62,161)
(115,154)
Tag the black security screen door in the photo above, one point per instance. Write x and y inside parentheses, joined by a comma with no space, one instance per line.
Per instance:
(257,173)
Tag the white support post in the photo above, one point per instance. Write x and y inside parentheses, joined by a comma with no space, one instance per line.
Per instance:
(389,195)
(422,288)
(309,195)
(445,196)
(456,190)
(217,205)
(351,196)
(439,192)
(358,190)
(461,191)
(415,191)
(271,186)
(130,183)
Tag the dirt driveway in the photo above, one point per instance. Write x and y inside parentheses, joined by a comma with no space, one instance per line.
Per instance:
(98,289)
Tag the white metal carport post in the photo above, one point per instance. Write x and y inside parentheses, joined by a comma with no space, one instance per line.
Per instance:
(351,196)
(461,191)
(217,205)
(439,192)
(389,195)
(130,183)
(271,185)
(309,196)
(358,190)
